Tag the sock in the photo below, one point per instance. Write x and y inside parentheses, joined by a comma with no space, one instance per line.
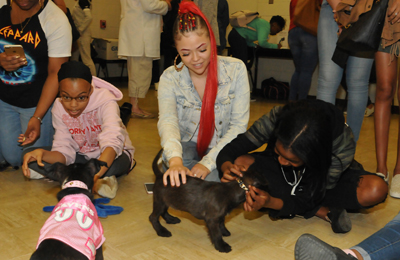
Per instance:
(350,252)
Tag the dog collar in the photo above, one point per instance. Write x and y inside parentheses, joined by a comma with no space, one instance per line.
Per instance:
(241,184)
(75,184)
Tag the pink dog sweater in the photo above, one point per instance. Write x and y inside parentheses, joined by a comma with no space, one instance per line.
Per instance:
(74,221)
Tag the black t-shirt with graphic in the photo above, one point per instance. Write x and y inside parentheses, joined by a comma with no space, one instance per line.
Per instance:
(42,36)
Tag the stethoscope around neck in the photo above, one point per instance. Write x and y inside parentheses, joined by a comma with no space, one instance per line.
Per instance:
(296,181)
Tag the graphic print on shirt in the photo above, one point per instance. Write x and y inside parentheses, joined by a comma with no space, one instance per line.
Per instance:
(74,221)
(85,130)
(24,74)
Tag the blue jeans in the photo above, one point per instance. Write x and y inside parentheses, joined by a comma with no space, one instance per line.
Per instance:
(14,121)
(330,74)
(190,158)
(304,48)
(384,244)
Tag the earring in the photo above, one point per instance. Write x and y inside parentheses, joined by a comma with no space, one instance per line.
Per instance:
(176,67)
(41,4)
(11,2)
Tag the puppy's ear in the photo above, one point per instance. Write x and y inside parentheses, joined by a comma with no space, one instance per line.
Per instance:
(56,171)
(260,182)
(94,165)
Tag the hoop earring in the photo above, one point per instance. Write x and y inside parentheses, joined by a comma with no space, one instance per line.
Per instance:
(176,67)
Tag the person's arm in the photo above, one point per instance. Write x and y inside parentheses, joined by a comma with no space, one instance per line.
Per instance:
(257,199)
(333,3)
(225,160)
(156,6)
(168,129)
(263,30)
(49,93)
(84,24)
(11,63)
(107,156)
(61,4)
(112,138)
(239,114)
(41,155)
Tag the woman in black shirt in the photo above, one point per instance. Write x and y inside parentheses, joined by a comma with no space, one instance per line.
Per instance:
(307,164)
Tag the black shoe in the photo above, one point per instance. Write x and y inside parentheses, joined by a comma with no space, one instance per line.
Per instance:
(309,247)
(125,112)
(4,165)
(340,220)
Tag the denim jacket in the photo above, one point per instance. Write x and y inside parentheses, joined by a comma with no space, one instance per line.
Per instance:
(180,108)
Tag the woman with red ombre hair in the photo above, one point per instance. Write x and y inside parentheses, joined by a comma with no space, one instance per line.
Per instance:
(203,101)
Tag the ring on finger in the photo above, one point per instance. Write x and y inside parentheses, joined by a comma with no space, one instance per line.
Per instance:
(395,14)
(23,140)
(195,175)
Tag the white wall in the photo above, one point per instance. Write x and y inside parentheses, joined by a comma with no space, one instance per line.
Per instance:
(109,10)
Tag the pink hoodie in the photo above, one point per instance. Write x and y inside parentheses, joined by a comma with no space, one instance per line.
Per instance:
(98,127)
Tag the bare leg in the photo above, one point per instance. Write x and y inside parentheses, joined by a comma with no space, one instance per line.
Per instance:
(386,82)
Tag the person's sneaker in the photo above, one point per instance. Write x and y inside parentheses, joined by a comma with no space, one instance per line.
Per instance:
(4,165)
(395,186)
(369,111)
(106,187)
(309,247)
(340,221)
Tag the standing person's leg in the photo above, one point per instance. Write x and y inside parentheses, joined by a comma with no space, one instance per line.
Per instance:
(139,73)
(330,73)
(357,78)
(238,46)
(309,60)
(84,49)
(295,49)
(386,72)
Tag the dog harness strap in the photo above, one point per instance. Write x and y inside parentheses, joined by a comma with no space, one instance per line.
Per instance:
(75,184)
(241,184)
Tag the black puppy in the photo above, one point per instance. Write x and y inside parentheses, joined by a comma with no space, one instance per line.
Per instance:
(73,231)
(210,201)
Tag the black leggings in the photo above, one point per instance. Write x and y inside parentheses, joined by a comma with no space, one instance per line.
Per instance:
(239,48)
(119,167)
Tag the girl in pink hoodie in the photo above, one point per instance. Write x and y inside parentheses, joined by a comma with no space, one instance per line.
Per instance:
(87,125)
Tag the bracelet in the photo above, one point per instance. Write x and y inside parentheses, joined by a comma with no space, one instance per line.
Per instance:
(38,118)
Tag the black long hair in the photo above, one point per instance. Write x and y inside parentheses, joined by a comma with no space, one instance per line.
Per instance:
(307,132)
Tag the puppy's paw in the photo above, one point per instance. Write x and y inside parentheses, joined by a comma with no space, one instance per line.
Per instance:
(163,232)
(223,247)
(170,219)
(225,232)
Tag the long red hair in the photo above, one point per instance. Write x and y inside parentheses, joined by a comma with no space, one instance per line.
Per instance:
(186,23)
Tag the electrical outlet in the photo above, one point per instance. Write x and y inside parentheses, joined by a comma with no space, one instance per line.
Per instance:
(103,24)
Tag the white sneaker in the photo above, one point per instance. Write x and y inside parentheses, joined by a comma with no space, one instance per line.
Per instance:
(395,187)
(369,111)
(35,175)
(106,187)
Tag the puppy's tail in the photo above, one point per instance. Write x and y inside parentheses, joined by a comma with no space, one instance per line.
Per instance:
(157,164)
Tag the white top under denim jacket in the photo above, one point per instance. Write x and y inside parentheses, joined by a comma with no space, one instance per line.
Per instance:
(180,108)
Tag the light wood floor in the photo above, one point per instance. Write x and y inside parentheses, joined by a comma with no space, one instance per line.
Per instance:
(130,234)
